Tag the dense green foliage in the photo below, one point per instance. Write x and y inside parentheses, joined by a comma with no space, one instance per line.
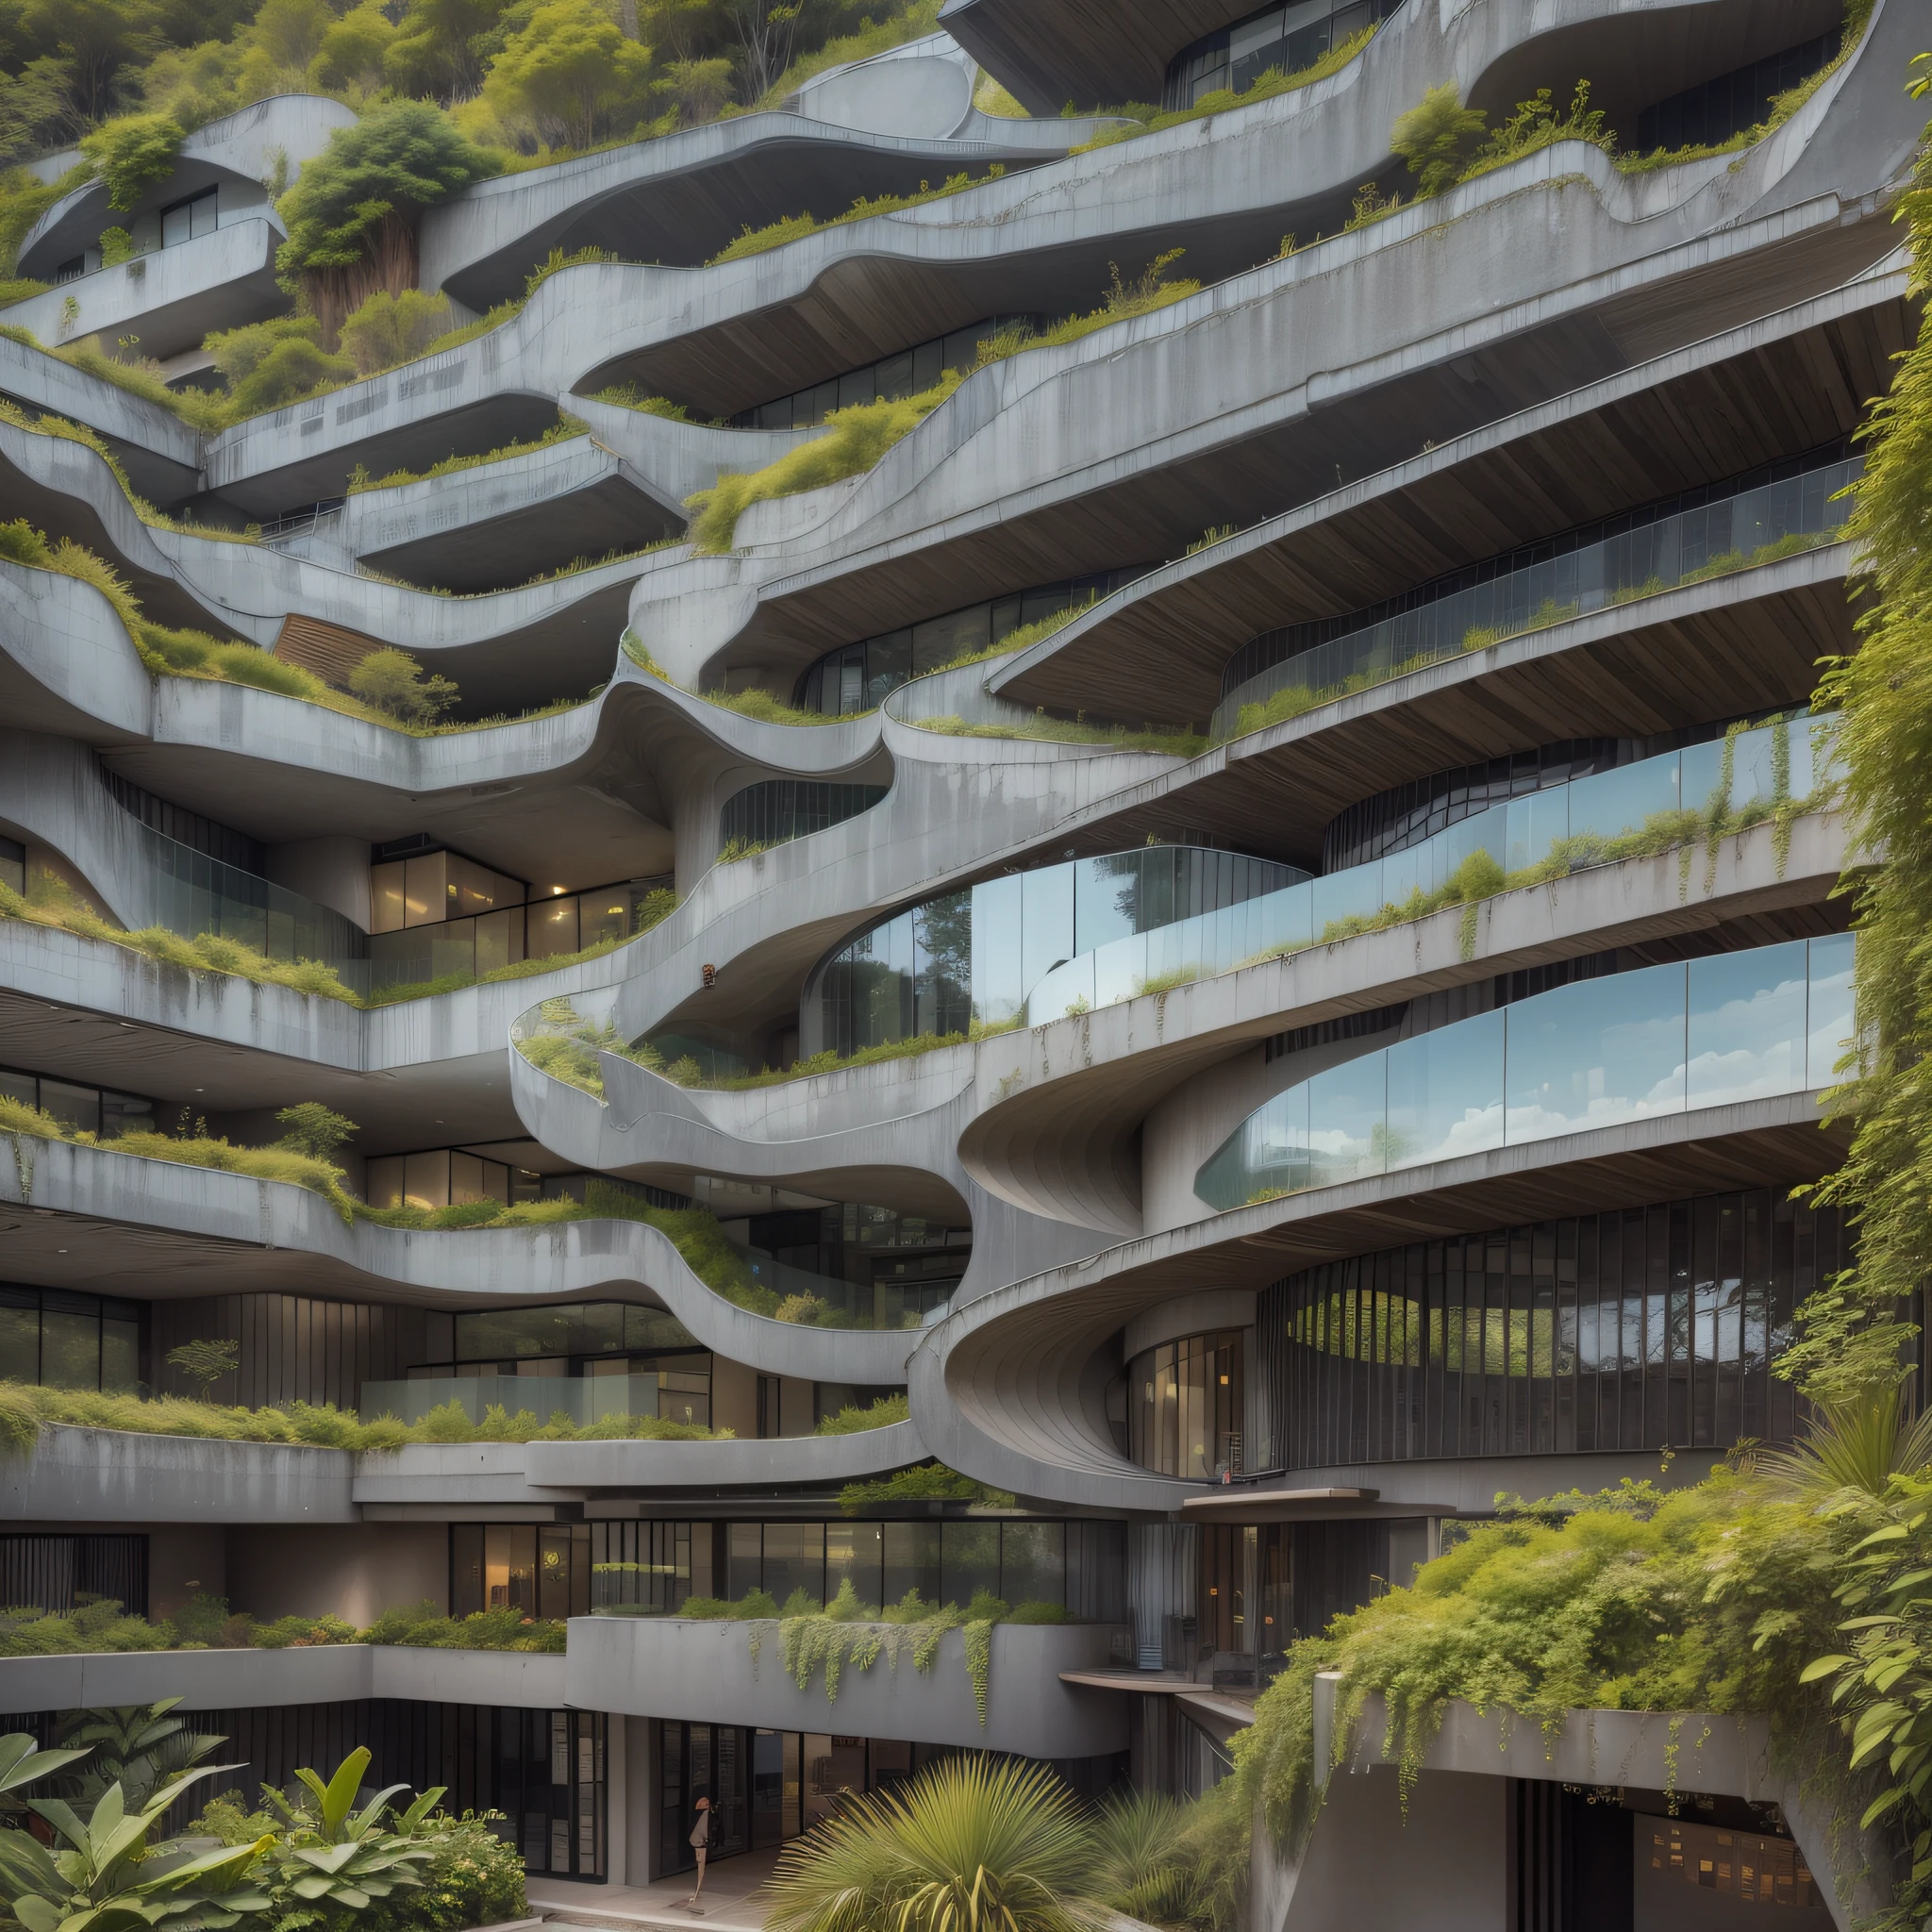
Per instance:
(925,1482)
(131,152)
(1884,693)
(25,1406)
(992,1844)
(207,1624)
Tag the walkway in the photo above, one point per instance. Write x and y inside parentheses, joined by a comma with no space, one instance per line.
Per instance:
(726,1906)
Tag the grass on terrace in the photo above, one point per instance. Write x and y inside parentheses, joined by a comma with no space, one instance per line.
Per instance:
(207,1624)
(52,901)
(693,1232)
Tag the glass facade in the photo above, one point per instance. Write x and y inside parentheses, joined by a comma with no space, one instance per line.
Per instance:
(754,1779)
(97,1111)
(1282,40)
(971,957)
(779,810)
(1074,1565)
(1704,533)
(1768,765)
(857,677)
(1711,113)
(1405,815)
(435,913)
(1661,1040)
(538,1569)
(65,1340)
(587,1359)
(907,374)
(1184,1405)
(1634,1329)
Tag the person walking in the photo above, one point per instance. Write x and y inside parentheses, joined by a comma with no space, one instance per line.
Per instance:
(700,1844)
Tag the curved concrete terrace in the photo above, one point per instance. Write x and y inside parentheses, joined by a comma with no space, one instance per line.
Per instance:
(676,1666)
(1010,1388)
(562,339)
(1590,453)
(501,523)
(173,1230)
(242,149)
(1012,468)
(113,1475)
(1047,54)
(159,453)
(1061,1108)
(871,127)
(1748,640)
(434,1474)
(168,299)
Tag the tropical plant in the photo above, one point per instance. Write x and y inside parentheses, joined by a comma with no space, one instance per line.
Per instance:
(89,1879)
(140,1748)
(572,71)
(973,1845)
(387,330)
(1852,1331)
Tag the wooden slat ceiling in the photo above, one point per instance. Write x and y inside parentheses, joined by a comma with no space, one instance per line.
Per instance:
(1278,791)
(1253,1247)
(1775,401)
(1791,403)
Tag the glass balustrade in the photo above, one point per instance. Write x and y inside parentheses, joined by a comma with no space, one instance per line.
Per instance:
(1769,764)
(968,959)
(191,894)
(1751,526)
(1600,1053)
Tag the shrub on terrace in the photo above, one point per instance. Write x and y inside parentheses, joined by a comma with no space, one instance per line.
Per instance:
(130,152)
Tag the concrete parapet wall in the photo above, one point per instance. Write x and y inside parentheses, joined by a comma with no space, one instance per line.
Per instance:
(671,1667)
(249,1679)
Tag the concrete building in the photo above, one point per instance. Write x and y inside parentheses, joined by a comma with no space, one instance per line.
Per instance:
(1244,919)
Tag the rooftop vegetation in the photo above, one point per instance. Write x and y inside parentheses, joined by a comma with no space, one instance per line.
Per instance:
(207,1624)
(25,1407)
(855,437)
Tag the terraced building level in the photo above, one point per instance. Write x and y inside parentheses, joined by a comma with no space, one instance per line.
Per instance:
(1230,948)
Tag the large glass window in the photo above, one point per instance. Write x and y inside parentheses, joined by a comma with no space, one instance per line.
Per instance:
(1597,1053)
(1281,39)
(1075,1566)
(858,677)
(98,1111)
(65,1340)
(1641,1329)
(438,913)
(1705,532)
(537,1569)
(1184,1406)
(907,373)
(973,957)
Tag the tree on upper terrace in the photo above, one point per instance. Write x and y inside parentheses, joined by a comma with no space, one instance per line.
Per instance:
(352,216)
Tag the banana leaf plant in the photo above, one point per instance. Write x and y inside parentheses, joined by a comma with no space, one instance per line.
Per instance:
(355,1861)
(89,1880)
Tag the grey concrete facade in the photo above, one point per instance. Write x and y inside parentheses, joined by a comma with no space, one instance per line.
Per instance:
(1003,1206)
